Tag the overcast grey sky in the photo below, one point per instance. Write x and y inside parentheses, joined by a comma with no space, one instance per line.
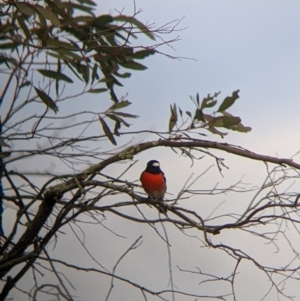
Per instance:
(253,46)
(248,45)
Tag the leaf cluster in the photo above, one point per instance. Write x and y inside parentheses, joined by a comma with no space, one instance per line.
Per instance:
(114,114)
(201,119)
(94,48)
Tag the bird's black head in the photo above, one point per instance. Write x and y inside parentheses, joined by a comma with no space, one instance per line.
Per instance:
(153,166)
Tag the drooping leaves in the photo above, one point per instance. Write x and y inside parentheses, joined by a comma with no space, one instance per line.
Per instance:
(115,117)
(70,34)
(117,123)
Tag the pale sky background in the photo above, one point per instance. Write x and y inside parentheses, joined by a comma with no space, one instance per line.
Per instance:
(248,45)
(253,46)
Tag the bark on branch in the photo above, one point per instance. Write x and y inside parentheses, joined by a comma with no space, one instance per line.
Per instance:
(54,193)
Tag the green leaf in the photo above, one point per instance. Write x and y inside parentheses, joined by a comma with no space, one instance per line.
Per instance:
(199,115)
(7,60)
(61,44)
(174,112)
(211,104)
(143,53)
(173,117)
(218,121)
(231,120)
(55,75)
(113,95)
(120,105)
(180,111)
(47,100)
(88,2)
(25,8)
(215,131)
(226,121)
(127,115)
(208,102)
(188,113)
(133,65)
(43,22)
(79,32)
(107,131)
(197,99)
(115,81)
(65,54)
(228,101)
(117,123)
(241,128)
(208,118)
(24,28)
(72,69)
(123,75)
(94,73)
(57,10)
(57,81)
(117,118)
(27,83)
(100,90)
(11,46)
(47,14)
(101,21)
(85,70)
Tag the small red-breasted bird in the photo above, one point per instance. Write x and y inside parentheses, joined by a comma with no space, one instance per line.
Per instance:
(153,181)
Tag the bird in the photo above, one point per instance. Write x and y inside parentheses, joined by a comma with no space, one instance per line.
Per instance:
(154,182)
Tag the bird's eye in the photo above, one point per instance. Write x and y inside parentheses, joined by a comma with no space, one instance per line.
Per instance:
(156,164)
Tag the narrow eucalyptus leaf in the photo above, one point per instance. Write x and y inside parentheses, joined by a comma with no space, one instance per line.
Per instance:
(47,100)
(107,131)
(55,75)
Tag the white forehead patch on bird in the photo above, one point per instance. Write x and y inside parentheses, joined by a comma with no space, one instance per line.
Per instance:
(156,164)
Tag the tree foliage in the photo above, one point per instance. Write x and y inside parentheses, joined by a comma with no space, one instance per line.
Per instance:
(58,145)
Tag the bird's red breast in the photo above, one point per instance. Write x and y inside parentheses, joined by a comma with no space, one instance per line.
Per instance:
(154,184)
